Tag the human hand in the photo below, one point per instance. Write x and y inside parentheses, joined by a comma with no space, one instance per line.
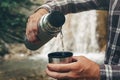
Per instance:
(32,25)
(80,69)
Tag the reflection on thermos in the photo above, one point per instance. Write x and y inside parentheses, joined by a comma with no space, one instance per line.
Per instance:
(49,26)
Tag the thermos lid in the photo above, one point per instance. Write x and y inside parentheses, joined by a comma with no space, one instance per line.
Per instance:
(56,18)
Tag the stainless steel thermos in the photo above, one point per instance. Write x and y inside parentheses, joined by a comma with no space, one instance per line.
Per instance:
(49,26)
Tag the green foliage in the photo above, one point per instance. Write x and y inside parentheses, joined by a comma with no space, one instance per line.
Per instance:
(12,22)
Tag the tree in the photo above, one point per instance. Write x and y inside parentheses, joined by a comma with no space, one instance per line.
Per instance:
(12,22)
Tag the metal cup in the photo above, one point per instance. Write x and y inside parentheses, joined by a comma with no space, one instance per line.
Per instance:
(60,57)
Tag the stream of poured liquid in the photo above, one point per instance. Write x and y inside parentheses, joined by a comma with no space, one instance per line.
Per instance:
(62,43)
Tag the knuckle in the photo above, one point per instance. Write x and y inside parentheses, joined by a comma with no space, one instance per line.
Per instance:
(35,28)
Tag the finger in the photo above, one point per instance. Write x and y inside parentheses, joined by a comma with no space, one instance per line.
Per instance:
(32,26)
(32,32)
(74,59)
(56,75)
(32,36)
(63,76)
(78,58)
(61,67)
(28,25)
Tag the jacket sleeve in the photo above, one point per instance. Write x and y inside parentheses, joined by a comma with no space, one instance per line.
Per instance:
(110,72)
(73,6)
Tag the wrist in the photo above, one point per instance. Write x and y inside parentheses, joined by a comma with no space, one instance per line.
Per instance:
(96,72)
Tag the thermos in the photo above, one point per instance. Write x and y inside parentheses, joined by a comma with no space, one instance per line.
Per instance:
(49,26)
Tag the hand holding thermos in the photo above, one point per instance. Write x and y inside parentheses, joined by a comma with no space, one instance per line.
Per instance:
(41,27)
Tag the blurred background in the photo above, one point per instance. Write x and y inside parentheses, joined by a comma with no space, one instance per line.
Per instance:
(84,33)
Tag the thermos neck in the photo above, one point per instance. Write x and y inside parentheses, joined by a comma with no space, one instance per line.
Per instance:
(52,23)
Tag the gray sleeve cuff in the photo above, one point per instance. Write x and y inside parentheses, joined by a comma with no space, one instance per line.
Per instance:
(109,72)
(102,72)
(44,7)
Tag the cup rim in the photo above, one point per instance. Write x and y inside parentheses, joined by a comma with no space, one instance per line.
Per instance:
(61,54)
